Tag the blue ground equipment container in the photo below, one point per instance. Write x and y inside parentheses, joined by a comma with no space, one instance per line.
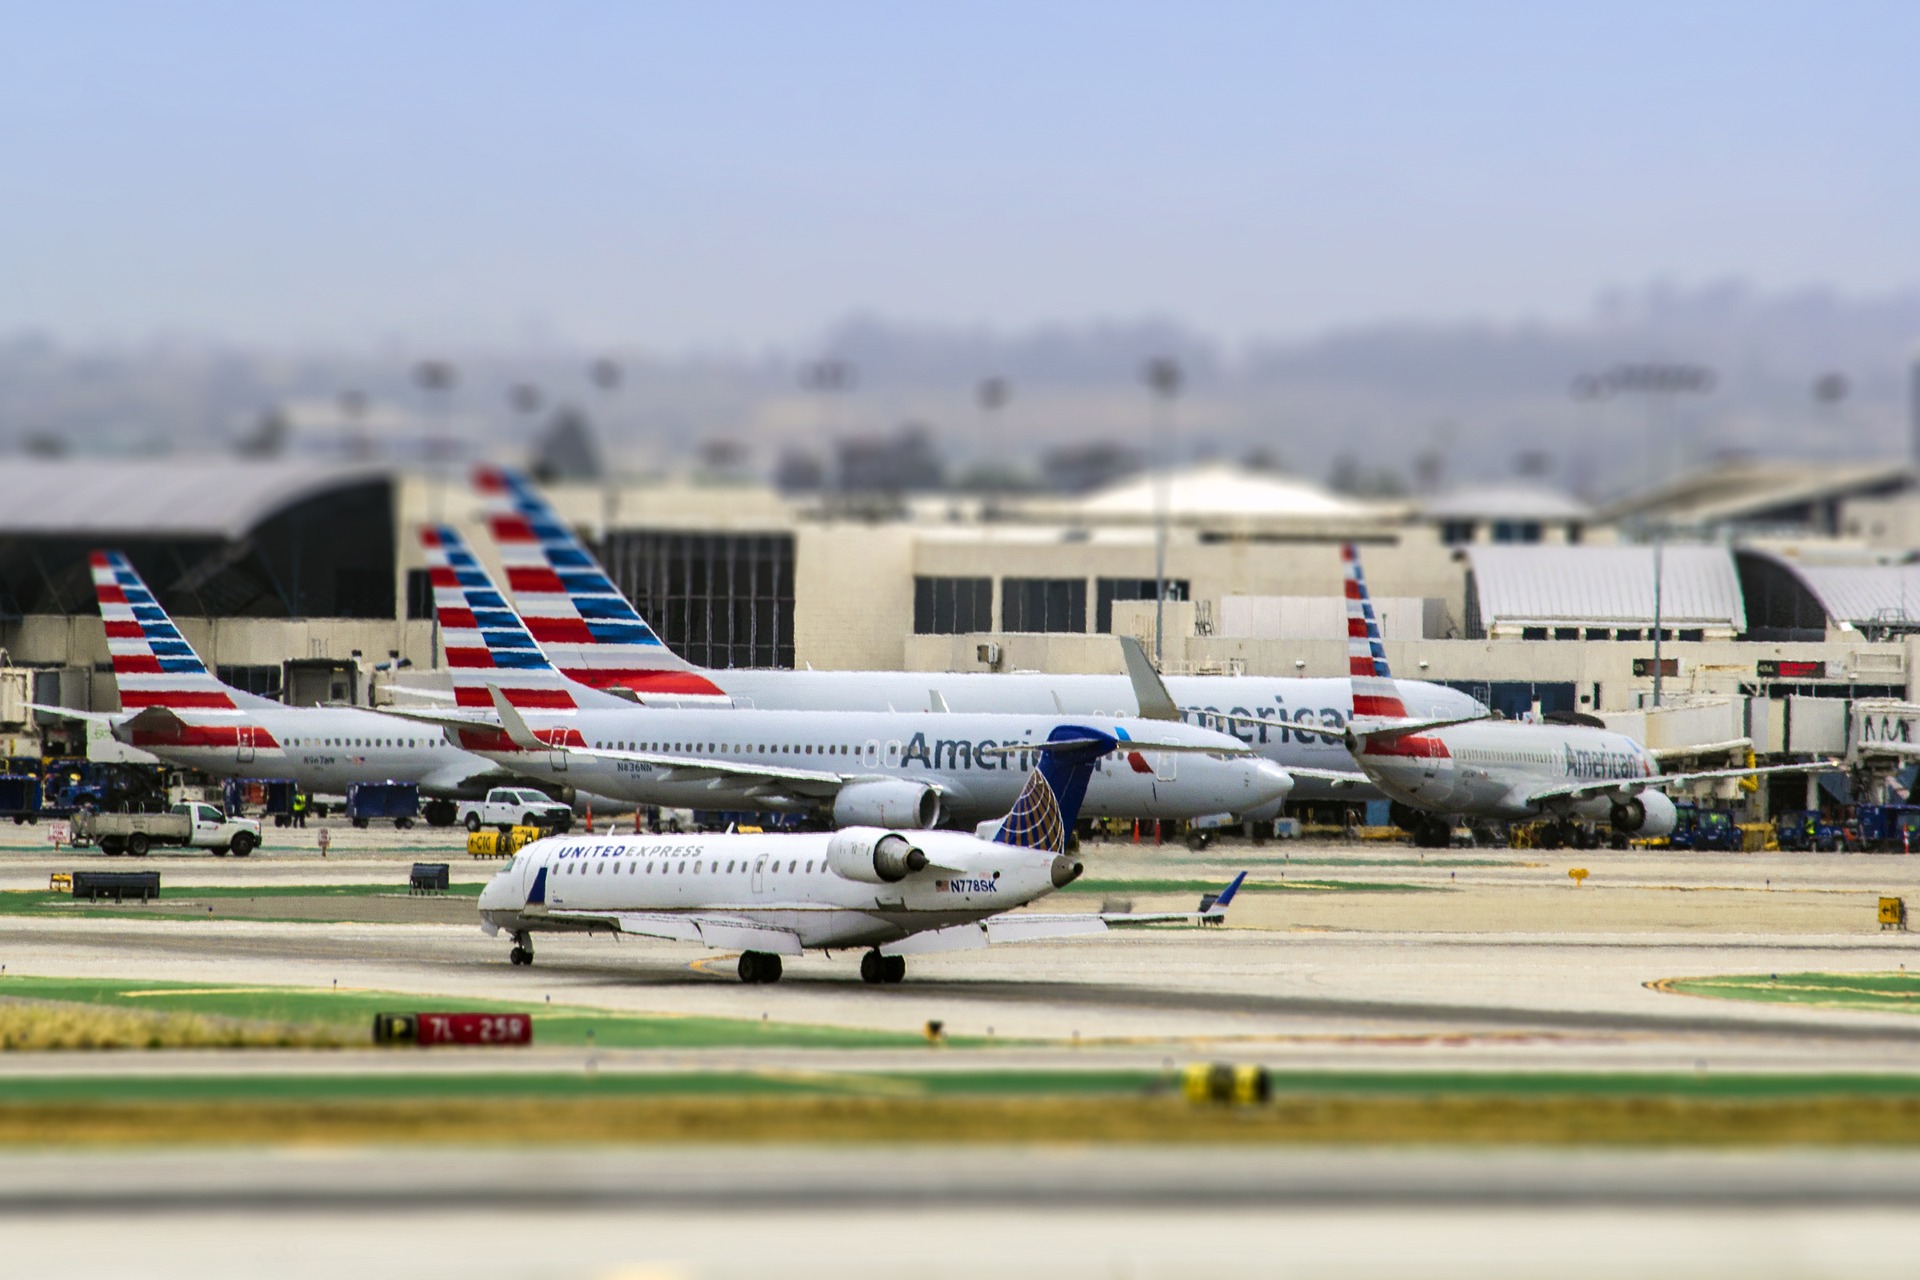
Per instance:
(381,801)
(1889,828)
(19,796)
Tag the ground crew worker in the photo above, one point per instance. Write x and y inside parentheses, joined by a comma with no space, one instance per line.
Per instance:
(299,808)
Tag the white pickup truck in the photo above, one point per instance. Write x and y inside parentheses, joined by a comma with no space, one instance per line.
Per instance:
(193,825)
(507,807)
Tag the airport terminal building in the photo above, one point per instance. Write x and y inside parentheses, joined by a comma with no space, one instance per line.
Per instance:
(305,581)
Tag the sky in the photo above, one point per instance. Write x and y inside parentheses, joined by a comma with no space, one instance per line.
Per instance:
(732,176)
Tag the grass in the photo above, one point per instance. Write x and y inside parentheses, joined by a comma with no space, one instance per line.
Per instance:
(552,1024)
(29,1027)
(1317,1120)
(17,902)
(1887,992)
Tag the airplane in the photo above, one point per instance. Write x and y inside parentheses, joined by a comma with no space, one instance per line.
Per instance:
(173,708)
(884,768)
(596,637)
(1507,769)
(864,887)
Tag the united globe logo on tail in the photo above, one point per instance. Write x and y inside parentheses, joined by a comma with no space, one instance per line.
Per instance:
(1048,806)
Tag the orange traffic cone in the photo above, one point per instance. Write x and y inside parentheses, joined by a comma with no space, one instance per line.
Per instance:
(589,817)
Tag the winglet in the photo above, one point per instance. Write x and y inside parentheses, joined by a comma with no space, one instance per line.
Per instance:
(514,723)
(1148,689)
(1221,903)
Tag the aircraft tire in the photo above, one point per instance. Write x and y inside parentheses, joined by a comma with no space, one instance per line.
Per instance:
(873,969)
(894,968)
(519,956)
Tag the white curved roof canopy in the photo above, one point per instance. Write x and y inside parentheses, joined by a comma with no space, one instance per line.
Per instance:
(1606,586)
(1858,593)
(1221,490)
(209,496)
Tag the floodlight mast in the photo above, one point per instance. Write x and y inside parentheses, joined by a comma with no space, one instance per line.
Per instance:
(1162,375)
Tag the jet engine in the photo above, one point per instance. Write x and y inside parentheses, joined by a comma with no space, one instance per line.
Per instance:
(887,802)
(873,857)
(1650,813)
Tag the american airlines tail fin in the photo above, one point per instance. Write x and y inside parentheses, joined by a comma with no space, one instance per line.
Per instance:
(486,643)
(153,666)
(590,631)
(1374,694)
(1043,815)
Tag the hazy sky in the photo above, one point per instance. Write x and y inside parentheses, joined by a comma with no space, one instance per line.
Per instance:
(727,174)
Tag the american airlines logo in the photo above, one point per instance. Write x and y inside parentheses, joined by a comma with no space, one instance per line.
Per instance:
(1603,764)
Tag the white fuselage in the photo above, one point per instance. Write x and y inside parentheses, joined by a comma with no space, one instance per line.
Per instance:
(1489,769)
(322,749)
(1327,703)
(776,881)
(955,754)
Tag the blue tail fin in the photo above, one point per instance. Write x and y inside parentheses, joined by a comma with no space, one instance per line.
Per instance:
(1049,805)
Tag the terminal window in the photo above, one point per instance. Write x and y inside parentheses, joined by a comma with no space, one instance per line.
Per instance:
(419,593)
(1110,589)
(261,680)
(717,599)
(952,606)
(1043,604)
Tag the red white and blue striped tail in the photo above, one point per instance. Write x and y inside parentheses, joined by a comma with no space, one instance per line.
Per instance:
(153,665)
(1375,696)
(485,641)
(591,632)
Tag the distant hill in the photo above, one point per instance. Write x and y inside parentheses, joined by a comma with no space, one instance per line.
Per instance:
(1474,400)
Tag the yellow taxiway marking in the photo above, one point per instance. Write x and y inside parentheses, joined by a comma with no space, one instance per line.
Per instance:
(235,991)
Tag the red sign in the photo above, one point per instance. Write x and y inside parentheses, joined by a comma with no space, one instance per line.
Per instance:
(475,1028)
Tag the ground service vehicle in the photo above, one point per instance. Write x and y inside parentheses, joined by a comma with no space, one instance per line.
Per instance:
(1805,830)
(509,807)
(1888,828)
(1705,829)
(197,826)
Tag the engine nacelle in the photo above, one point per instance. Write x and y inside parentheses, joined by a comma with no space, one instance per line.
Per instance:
(888,802)
(1651,813)
(873,857)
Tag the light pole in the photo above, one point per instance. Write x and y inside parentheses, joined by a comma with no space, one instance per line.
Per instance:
(437,379)
(1657,383)
(1162,376)
(827,378)
(993,394)
(606,375)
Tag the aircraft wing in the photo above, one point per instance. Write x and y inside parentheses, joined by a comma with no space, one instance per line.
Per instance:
(1033,926)
(1338,777)
(69,713)
(1356,729)
(1626,788)
(730,933)
(684,768)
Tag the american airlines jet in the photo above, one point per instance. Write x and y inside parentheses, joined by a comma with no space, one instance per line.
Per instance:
(596,637)
(858,888)
(173,708)
(877,768)
(1509,770)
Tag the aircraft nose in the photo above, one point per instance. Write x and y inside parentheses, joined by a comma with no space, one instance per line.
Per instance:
(1271,781)
(1065,871)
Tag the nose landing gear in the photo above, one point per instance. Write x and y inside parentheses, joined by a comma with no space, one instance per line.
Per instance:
(876,968)
(522,952)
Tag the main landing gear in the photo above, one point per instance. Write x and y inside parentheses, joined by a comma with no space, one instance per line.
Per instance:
(876,968)
(522,952)
(759,966)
